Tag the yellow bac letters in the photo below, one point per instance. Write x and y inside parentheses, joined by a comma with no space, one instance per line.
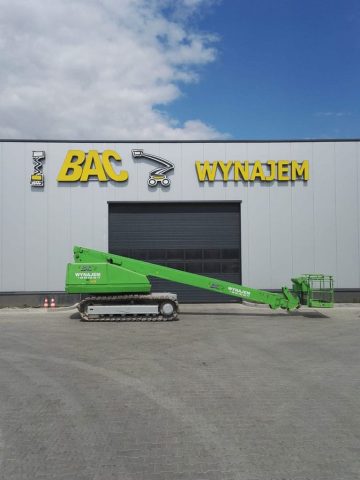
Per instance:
(78,166)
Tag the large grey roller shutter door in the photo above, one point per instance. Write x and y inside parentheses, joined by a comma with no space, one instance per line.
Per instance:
(202,238)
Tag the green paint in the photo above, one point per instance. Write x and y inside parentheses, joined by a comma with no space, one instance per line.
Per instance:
(315,290)
(104,273)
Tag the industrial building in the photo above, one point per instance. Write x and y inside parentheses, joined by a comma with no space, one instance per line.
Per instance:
(251,212)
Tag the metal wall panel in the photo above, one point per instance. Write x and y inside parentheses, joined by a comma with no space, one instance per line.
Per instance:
(60,221)
(13,216)
(280,215)
(1,216)
(192,190)
(215,152)
(347,252)
(302,215)
(287,229)
(259,223)
(324,215)
(239,191)
(357,205)
(172,152)
(36,229)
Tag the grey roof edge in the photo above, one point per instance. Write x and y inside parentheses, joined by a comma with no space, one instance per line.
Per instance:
(309,140)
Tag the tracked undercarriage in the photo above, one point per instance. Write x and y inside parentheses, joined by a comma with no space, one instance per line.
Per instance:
(153,307)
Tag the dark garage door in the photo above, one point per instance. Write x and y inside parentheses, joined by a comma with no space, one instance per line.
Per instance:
(202,238)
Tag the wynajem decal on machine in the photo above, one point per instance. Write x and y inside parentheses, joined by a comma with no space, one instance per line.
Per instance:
(159,174)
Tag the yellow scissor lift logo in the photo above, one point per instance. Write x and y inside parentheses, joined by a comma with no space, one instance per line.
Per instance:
(159,174)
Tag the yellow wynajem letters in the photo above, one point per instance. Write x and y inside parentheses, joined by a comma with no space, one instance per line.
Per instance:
(257,172)
(79,166)
(281,171)
(206,171)
(301,170)
(241,169)
(272,167)
(225,168)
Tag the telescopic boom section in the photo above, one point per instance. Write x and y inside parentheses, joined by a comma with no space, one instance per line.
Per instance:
(103,273)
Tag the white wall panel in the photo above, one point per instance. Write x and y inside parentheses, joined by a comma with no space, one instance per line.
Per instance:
(193,190)
(59,216)
(238,191)
(215,152)
(323,184)
(302,214)
(2,224)
(235,190)
(36,227)
(347,271)
(259,257)
(280,216)
(144,166)
(358,202)
(171,152)
(13,216)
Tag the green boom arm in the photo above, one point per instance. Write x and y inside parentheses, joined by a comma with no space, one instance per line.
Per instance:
(105,273)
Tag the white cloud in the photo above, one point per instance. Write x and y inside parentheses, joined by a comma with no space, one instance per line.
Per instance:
(98,68)
(332,114)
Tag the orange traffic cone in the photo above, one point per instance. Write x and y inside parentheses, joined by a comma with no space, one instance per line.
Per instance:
(46,303)
(52,303)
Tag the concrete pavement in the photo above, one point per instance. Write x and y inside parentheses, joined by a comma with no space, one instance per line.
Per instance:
(228,392)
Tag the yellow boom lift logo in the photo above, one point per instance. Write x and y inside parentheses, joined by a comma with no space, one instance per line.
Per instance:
(159,174)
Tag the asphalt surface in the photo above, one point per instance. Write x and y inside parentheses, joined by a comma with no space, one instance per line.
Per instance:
(228,392)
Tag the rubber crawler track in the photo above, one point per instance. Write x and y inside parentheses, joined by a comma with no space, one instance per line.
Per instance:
(133,299)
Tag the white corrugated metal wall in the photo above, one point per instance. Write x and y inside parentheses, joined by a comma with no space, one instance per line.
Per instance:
(287,228)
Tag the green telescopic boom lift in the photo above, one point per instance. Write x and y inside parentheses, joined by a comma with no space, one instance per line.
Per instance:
(119,288)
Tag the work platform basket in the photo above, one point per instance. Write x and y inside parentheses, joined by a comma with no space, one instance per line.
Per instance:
(314,290)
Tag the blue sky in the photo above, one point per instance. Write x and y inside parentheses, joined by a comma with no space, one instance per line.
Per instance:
(151,69)
(284,69)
